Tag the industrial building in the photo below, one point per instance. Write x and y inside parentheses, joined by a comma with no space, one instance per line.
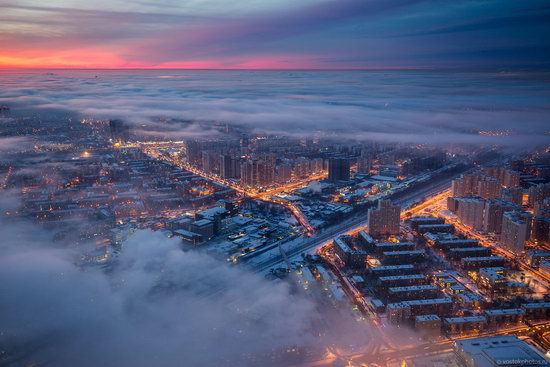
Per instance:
(464,325)
(491,351)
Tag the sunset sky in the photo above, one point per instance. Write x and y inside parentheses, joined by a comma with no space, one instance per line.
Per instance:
(283,34)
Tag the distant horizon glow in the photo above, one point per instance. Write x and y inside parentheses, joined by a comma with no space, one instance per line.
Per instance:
(313,35)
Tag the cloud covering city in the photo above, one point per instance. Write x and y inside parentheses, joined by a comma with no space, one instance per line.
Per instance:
(160,306)
(454,107)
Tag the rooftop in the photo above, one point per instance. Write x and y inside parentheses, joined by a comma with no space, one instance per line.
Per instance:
(399,253)
(505,312)
(497,350)
(483,258)
(401,277)
(535,305)
(462,320)
(413,288)
(427,318)
(392,267)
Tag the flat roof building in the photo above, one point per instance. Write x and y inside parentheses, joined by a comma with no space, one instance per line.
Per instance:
(401,280)
(496,317)
(473,263)
(352,257)
(401,311)
(515,230)
(459,253)
(470,211)
(204,227)
(386,270)
(467,324)
(365,239)
(423,220)
(394,246)
(428,325)
(536,310)
(395,257)
(338,169)
(534,257)
(436,228)
(188,237)
(413,292)
(493,351)
(492,216)
(385,219)
(492,278)
(447,241)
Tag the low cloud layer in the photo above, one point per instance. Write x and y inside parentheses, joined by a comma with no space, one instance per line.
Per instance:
(433,107)
(14,144)
(159,306)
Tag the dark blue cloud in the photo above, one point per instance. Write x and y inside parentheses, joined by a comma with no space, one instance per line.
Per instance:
(326,33)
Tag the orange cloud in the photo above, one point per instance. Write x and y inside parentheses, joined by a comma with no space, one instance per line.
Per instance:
(102,58)
(81,58)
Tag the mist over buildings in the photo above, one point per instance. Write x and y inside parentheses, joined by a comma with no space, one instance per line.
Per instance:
(157,306)
(399,106)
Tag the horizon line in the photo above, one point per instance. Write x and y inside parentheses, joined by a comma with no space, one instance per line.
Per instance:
(494,69)
(222,69)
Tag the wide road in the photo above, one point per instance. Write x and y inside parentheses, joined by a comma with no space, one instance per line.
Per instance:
(317,239)
(354,224)
(351,225)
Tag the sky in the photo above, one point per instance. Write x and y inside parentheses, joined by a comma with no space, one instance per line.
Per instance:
(283,34)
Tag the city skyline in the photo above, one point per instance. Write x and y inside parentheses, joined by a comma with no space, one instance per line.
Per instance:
(274,183)
(399,106)
(316,251)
